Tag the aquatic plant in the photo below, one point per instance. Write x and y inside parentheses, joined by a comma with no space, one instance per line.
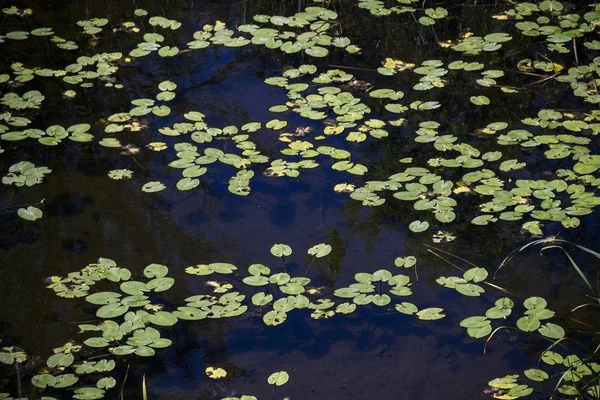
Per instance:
(330,115)
(571,364)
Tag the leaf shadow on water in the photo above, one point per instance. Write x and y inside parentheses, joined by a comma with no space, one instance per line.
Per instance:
(67,204)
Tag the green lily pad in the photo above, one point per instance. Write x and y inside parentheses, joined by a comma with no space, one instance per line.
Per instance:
(102,298)
(552,331)
(256,280)
(536,374)
(406,308)
(278,378)
(475,274)
(88,393)
(30,213)
(480,100)
(281,250)
(44,380)
(418,226)
(60,360)
(155,271)
(431,314)
(319,250)
(112,310)
(535,302)
(153,187)
(260,299)
(528,324)
(405,262)
(162,318)
(106,383)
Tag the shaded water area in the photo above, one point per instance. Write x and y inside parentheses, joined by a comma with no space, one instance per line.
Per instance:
(375,351)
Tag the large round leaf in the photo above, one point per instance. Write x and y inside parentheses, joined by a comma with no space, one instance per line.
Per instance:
(162,318)
(278,378)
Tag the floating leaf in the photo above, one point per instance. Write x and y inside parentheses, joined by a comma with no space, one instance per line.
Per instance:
(152,187)
(106,383)
(162,318)
(418,226)
(60,360)
(112,310)
(320,250)
(431,314)
(167,86)
(119,174)
(30,213)
(475,274)
(88,393)
(281,250)
(535,302)
(405,262)
(261,299)
(480,100)
(215,373)
(406,308)
(278,378)
(44,380)
(552,331)
(528,324)
(536,374)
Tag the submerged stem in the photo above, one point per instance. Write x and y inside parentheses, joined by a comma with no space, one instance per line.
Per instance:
(123,384)
(310,265)
(18,372)
(138,163)
(272,393)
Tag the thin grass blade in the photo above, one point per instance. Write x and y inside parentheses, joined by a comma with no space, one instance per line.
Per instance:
(144,392)
(574,264)
(513,253)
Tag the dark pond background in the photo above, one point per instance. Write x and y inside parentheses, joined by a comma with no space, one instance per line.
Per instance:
(370,354)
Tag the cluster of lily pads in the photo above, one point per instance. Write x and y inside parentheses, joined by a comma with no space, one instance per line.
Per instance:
(480,326)
(31,99)
(572,371)
(51,136)
(321,34)
(86,70)
(575,183)
(26,174)
(342,105)
(129,317)
(427,17)
(550,18)
(64,358)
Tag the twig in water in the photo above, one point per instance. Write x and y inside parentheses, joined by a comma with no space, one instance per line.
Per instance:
(138,163)
(462,270)
(347,67)
(18,372)
(453,255)
(310,265)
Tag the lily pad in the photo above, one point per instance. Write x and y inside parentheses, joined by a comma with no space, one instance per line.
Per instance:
(153,187)
(418,226)
(281,250)
(278,378)
(30,213)
(431,314)
(319,250)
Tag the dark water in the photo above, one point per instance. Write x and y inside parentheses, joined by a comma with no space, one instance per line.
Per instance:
(370,354)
